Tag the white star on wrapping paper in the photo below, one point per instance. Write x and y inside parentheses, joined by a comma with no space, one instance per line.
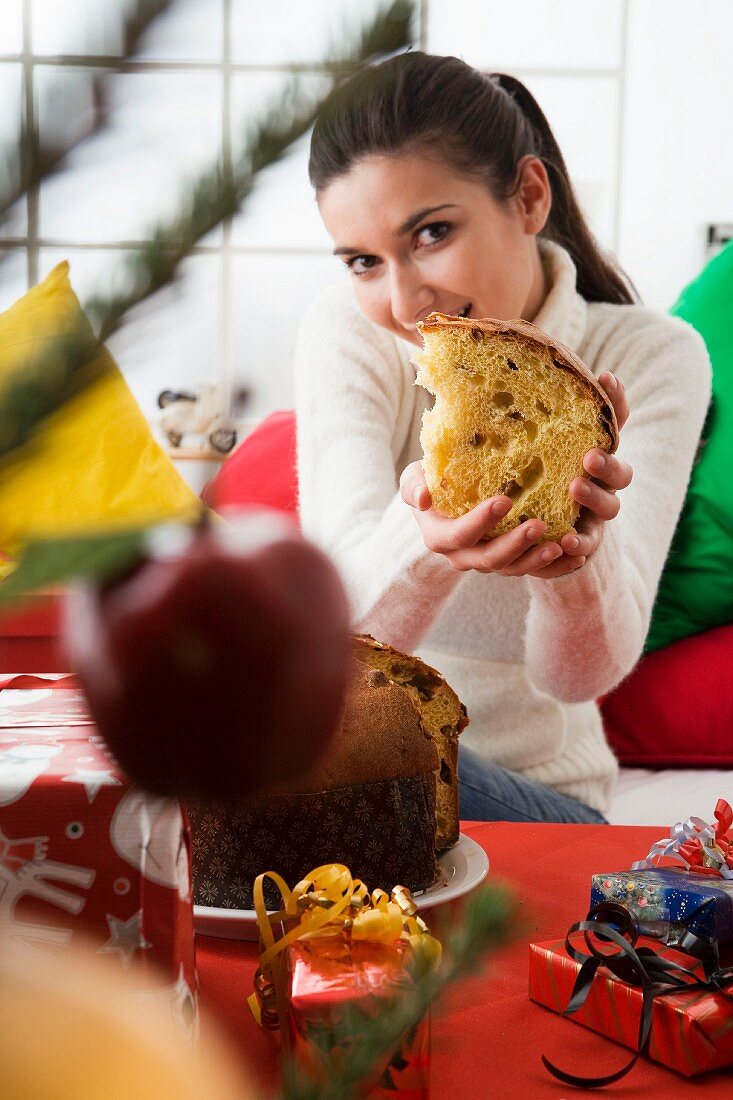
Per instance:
(126,937)
(92,780)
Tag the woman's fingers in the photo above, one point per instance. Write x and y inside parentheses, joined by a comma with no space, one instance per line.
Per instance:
(602,502)
(413,488)
(614,473)
(443,535)
(532,561)
(586,539)
(501,553)
(614,387)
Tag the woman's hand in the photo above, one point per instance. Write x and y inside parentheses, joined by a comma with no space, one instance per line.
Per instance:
(599,502)
(516,553)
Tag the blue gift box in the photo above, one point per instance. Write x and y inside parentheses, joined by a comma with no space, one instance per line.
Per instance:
(666,902)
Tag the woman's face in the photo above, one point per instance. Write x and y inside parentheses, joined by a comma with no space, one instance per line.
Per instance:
(419,235)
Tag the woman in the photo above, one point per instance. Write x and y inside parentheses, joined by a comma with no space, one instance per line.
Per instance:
(444,189)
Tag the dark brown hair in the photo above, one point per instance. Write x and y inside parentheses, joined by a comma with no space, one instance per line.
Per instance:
(481,124)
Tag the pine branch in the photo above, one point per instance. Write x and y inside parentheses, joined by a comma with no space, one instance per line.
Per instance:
(53,561)
(75,360)
(220,193)
(40,157)
(217,195)
(66,367)
(365,1043)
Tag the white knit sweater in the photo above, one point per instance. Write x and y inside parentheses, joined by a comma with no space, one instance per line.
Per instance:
(528,657)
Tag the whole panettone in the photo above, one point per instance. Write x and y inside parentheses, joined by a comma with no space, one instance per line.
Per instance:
(370,804)
(515,412)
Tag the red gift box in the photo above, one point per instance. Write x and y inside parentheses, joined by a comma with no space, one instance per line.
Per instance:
(691,1032)
(327,973)
(30,637)
(86,855)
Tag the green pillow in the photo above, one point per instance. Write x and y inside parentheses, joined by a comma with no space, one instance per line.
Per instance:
(696,589)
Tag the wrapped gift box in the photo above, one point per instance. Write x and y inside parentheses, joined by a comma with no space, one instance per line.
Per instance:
(666,901)
(691,1032)
(83,853)
(30,638)
(327,974)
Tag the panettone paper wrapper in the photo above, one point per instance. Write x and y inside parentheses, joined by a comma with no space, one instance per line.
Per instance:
(383,831)
(86,855)
(328,974)
(691,1032)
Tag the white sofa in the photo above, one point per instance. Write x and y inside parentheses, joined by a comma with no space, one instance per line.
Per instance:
(645,797)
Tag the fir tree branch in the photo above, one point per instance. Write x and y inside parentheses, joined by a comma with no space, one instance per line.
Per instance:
(53,561)
(217,195)
(365,1043)
(65,367)
(39,157)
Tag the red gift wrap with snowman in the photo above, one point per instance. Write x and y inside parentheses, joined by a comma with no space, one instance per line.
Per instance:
(86,856)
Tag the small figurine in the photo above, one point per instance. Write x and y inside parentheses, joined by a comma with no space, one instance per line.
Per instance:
(189,412)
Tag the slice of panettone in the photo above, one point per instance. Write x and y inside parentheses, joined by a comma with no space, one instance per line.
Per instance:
(515,413)
(443,714)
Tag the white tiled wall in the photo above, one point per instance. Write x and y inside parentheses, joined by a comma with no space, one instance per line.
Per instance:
(165,129)
(11,27)
(564,35)
(678,139)
(638,92)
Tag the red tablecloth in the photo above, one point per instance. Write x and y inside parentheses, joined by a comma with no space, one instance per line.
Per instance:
(488,1036)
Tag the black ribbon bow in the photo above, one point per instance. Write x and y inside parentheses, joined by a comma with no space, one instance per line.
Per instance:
(656,976)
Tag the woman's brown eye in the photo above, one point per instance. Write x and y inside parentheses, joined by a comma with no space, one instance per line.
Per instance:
(436,231)
(358,265)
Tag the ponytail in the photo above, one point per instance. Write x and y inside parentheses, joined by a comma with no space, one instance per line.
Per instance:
(598,280)
(482,124)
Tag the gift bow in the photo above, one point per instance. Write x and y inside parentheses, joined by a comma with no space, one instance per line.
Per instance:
(325,902)
(706,849)
(655,974)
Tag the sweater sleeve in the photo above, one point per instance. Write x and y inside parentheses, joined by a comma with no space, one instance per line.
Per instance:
(586,631)
(354,402)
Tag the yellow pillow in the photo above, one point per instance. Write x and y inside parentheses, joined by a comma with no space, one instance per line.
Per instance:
(94,464)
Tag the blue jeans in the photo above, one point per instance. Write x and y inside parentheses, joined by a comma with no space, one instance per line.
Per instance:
(487,792)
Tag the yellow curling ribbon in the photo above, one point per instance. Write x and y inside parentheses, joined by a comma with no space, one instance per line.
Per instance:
(328,901)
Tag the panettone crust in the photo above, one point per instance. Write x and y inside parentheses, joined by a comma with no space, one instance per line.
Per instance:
(443,714)
(381,736)
(525,332)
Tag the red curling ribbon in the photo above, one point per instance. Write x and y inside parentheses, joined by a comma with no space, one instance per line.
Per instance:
(724,816)
(702,848)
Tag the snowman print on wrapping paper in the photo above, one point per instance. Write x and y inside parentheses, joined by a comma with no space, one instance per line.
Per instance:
(22,708)
(21,765)
(25,871)
(147,832)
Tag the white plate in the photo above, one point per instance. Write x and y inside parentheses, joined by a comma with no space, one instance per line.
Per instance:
(462,867)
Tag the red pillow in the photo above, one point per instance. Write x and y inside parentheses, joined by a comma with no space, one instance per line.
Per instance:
(675,710)
(262,470)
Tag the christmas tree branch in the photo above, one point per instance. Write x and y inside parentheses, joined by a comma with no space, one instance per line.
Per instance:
(217,195)
(364,1043)
(41,156)
(220,193)
(68,364)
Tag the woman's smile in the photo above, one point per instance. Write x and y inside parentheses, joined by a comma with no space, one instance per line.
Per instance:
(420,236)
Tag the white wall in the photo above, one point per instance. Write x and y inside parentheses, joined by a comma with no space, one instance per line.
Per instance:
(639,92)
(677,152)
(640,95)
